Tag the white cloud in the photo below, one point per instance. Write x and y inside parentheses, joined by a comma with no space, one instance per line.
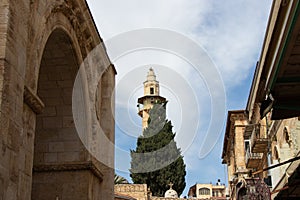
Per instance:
(231,31)
(118,16)
(233,35)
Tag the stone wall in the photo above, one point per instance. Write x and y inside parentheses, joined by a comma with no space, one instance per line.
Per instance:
(42,46)
(163,198)
(284,146)
(138,191)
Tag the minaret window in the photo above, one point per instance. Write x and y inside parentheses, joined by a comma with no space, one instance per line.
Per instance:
(152,100)
(151,90)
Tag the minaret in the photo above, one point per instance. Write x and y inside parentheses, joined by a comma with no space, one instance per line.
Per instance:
(151,96)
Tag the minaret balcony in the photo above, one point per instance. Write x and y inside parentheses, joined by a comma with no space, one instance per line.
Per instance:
(150,98)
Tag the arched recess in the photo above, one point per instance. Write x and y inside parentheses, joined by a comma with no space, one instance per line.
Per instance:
(276,155)
(59,155)
(242,192)
(287,135)
(240,189)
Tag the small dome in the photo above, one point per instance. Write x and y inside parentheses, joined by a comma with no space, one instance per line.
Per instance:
(171,193)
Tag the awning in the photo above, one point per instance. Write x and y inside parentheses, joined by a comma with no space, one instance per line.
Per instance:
(283,82)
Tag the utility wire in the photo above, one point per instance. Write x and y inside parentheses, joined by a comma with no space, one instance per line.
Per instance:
(277,165)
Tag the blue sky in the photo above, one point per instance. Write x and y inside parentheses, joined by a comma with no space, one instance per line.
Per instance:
(229,35)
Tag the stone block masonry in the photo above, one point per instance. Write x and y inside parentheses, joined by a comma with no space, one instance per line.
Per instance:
(42,44)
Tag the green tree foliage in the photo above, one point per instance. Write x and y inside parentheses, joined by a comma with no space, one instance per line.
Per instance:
(157,161)
(120,180)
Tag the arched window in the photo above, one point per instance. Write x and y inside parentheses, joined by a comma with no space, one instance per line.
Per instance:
(204,191)
(276,154)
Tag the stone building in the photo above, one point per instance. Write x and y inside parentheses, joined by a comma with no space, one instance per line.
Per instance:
(272,113)
(119,196)
(274,99)
(137,191)
(142,192)
(284,145)
(241,161)
(234,154)
(44,153)
(208,191)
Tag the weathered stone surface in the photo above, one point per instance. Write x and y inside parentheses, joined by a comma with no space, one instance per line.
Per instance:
(138,191)
(42,44)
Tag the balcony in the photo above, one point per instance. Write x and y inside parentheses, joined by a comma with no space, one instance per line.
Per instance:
(259,139)
(253,159)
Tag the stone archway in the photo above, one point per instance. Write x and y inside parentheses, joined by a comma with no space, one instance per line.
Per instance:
(43,44)
(58,151)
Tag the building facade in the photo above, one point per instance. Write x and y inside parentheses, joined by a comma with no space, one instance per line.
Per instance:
(208,191)
(42,156)
(241,161)
(284,138)
(271,134)
(142,192)
(274,100)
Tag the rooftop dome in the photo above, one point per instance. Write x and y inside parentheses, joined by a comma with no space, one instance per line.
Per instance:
(171,193)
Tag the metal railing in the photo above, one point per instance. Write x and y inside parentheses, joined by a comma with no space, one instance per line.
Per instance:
(250,155)
(259,133)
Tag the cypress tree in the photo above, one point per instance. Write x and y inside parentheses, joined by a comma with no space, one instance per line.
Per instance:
(156,160)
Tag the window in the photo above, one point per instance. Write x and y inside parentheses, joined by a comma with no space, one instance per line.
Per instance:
(152,100)
(286,134)
(275,153)
(204,191)
(247,144)
(151,90)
